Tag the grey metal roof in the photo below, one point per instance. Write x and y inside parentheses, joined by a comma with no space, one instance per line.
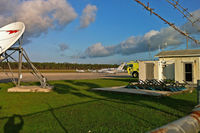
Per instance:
(179,53)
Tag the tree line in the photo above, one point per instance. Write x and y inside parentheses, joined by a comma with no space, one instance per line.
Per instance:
(63,66)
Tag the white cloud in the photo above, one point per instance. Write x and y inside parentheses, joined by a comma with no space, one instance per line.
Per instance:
(38,15)
(148,35)
(88,16)
(136,44)
(63,47)
(97,50)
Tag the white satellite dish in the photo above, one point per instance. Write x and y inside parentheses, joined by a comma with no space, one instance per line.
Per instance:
(10,34)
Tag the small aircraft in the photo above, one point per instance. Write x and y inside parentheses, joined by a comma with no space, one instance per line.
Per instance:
(93,71)
(80,71)
(113,70)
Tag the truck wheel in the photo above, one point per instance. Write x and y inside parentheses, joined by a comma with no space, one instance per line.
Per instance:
(135,74)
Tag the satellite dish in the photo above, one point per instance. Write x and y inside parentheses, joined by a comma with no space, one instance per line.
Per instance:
(10,34)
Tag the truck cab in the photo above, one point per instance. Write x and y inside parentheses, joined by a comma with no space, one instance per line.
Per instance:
(133,69)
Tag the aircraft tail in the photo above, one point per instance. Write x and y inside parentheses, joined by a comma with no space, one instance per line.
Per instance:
(121,66)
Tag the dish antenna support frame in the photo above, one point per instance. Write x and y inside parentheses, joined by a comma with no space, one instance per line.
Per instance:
(22,53)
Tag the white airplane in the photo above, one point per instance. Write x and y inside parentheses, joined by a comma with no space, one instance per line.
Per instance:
(80,71)
(93,71)
(113,70)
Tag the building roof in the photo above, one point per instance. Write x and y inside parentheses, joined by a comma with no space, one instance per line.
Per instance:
(179,53)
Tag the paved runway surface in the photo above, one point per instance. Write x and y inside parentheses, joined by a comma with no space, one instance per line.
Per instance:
(64,76)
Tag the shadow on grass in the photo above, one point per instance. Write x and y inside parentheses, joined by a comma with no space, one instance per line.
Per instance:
(63,88)
(118,76)
(184,106)
(7,80)
(83,84)
(55,108)
(108,98)
(129,113)
(142,105)
(11,126)
(70,85)
(124,79)
(56,118)
(179,104)
(30,83)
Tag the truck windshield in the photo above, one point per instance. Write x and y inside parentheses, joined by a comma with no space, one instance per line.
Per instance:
(130,65)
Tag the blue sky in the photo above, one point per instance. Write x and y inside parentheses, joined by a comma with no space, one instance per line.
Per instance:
(116,21)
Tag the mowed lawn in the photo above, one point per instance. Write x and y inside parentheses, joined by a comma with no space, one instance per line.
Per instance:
(73,107)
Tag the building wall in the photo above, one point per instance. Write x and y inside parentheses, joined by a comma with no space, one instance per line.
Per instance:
(143,69)
(180,68)
(156,71)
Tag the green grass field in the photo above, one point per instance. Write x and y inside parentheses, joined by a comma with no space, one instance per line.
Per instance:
(74,108)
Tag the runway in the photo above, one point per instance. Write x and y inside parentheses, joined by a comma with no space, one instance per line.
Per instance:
(27,77)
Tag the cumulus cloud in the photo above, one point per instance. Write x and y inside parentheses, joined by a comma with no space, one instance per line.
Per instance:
(88,16)
(136,44)
(38,15)
(63,47)
(97,50)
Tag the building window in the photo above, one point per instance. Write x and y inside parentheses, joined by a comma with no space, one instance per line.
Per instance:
(188,72)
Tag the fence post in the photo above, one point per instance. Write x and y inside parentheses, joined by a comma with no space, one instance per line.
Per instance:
(198,91)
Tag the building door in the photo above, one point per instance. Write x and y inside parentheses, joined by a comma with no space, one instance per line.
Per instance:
(169,72)
(188,72)
(149,71)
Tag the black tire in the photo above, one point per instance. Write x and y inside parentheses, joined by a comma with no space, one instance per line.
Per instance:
(135,74)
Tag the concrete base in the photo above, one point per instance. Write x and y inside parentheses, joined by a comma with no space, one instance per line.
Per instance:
(30,89)
(122,89)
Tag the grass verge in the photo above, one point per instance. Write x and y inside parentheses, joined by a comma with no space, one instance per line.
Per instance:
(72,107)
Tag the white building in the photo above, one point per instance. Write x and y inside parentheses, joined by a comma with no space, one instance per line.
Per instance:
(178,65)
